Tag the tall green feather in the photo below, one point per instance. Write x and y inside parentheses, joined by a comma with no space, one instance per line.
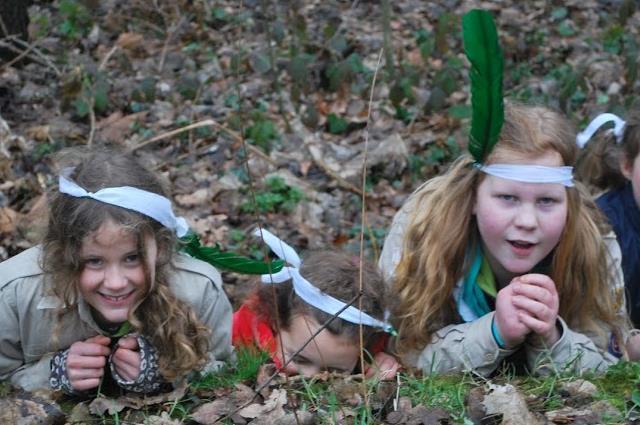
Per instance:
(483,51)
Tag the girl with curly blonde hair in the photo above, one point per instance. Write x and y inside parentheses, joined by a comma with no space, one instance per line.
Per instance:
(507,256)
(106,296)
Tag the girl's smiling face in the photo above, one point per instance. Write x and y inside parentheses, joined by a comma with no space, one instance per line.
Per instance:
(327,351)
(112,280)
(520,223)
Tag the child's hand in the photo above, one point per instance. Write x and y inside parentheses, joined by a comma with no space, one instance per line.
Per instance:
(85,362)
(511,329)
(126,358)
(536,297)
(384,365)
(633,346)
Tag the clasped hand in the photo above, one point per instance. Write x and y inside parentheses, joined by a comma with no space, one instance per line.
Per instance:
(528,308)
(87,359)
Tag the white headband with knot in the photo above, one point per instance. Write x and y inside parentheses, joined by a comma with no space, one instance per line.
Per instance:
(148,203)
(310,293)
(618,128)
(530,173)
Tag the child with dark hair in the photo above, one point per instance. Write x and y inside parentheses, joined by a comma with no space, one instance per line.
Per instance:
(612,163)
(108,266)
(282,318)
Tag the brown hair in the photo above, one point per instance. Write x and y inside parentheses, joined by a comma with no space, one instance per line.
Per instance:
(599,163)
(335,274)
(180,338)
(441,228)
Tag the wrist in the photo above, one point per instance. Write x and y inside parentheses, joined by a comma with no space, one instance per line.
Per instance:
(497,337)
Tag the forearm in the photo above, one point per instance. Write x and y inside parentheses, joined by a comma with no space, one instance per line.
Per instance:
(573,351)
(461,347)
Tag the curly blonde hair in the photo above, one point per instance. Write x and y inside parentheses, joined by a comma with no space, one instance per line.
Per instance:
(442,228)
(171,324)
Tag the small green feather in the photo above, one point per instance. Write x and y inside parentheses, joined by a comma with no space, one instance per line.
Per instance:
(483,51)
(227,260)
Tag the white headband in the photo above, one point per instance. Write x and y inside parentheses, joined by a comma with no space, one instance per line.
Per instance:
(150,204)
(530,173)
(618,128)
(308,292)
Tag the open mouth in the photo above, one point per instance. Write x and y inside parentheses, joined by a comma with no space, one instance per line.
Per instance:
(522,244)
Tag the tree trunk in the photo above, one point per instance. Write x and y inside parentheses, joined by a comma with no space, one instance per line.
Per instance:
(15,20)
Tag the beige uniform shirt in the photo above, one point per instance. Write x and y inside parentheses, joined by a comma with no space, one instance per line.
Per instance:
(471,346)
(28,317)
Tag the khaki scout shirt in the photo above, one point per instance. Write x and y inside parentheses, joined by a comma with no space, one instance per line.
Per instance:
(28,316)
(471,346)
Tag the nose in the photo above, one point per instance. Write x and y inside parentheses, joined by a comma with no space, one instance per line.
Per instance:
(114,278)
(526,217)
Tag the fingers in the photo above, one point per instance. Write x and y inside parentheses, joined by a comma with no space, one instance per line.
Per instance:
(534,308)
(99,339)
(384,365)
(85,384)
(130,343)
(88,349)
(126,358)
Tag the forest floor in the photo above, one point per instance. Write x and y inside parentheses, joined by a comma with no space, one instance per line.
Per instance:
(263,112)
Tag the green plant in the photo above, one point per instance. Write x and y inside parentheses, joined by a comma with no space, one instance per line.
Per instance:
(262,132)
(93,94)
(245,370)
(276,197)
(76,19)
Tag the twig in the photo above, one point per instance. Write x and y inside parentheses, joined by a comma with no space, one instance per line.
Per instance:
(170,32)
(203,123)
(341,182)
(17,58)
(39,56)
(107,57)
(92,120)
(363,222)
(293,356)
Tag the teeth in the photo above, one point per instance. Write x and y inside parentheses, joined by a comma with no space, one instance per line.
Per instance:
(115,298)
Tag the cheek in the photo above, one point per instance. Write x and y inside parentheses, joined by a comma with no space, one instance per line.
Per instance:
(89,280)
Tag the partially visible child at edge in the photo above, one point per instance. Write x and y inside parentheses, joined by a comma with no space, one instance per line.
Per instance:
(612,163)
(507,256)
(109,257)
(307,294)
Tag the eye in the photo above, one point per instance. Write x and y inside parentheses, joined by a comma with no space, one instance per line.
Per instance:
(506,197)
(93,262)
(132,259)
(547,201)
(301,360)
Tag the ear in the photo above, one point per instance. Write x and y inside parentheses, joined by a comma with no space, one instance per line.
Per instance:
(626,167)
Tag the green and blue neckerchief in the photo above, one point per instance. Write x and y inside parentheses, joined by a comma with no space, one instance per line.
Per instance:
(471,294)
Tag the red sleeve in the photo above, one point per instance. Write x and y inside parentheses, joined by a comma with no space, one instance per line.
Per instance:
(379,343)
(249,330)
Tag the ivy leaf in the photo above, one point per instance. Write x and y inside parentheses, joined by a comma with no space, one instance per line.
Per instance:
(124,329)
(227,260)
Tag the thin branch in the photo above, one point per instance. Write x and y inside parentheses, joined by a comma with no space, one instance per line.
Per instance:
(110,53)
(39,56)
(92,120)
(363,213)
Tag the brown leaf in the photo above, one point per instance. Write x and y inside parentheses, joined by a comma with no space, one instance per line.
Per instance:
(130,41)
(8,220)
(116,127)
(209,413)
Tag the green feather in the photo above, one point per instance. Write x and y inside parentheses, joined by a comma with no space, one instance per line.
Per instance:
(483,51)
(227,260)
